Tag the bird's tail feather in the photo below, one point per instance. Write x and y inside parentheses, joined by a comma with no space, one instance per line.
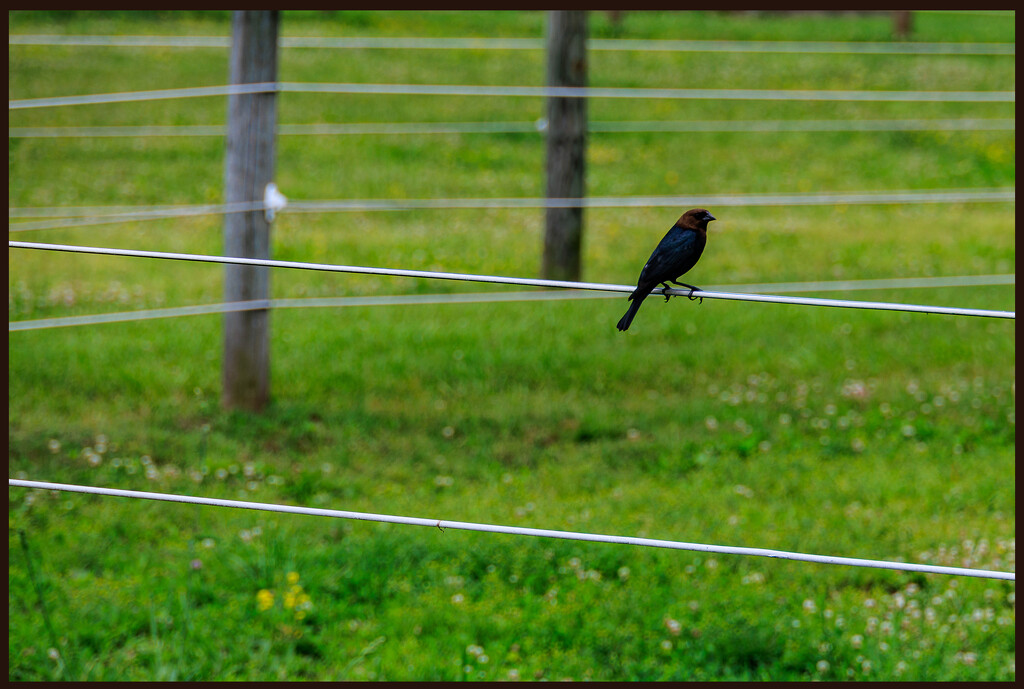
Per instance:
(633,308)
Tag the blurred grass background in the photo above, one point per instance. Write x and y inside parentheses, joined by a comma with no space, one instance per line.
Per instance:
(865,434)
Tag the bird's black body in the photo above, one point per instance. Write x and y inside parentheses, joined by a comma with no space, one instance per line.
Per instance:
(675,254)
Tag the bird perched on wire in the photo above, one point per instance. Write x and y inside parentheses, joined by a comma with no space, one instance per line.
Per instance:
(676,253)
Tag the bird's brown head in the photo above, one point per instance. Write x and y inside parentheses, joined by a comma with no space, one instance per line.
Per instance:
(698,218)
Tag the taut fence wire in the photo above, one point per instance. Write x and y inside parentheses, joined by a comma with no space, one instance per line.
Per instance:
(963,124)
(484,297)
(443,524)
(533,282)
(523,91)
(78,216)
(597,44)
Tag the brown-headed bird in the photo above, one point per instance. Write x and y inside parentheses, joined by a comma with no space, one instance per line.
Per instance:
(675,254)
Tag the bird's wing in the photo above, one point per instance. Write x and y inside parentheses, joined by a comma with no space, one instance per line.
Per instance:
(672,257)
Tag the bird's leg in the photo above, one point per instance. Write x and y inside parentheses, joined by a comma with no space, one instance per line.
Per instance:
(692,290)
(665,285)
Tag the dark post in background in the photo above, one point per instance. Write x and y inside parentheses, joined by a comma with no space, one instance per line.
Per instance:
(566,143)
(249,168)
(902,24)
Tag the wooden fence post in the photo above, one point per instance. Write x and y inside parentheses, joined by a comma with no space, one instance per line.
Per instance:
(902,24)
(566,143)
(252,120)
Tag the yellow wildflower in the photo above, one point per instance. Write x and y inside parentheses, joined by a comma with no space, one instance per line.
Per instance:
(264,600)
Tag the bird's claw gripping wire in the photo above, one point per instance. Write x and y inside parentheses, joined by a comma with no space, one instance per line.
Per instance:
(665,293)
(688,296)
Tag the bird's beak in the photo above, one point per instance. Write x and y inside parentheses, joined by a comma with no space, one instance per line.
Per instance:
(711,217)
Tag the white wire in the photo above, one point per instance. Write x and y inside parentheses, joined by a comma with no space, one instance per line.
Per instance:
(114,211)
(757,199)
(79,216)
(129,96)
(132,131)
(596,44)
(961,124)
(443,524)
(142,213)
(527,91)
(830,47)
(606,127)
(793,199)
(657,93)
(489,297)
(121,41)
(141,315)
(561,284)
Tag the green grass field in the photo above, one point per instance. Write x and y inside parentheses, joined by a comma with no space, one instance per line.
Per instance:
(855,433)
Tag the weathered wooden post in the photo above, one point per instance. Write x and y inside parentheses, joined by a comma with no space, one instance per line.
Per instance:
(252,121)
(566,143)
(902,24)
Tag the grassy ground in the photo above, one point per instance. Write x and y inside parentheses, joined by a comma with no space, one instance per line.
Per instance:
(865,434)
